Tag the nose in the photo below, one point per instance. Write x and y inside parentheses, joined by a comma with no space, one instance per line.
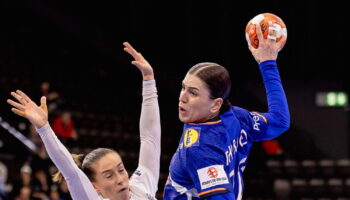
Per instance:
(118,179)
(182,97)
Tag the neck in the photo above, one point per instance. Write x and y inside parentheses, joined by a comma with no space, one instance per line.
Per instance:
(213,117)
(114,198)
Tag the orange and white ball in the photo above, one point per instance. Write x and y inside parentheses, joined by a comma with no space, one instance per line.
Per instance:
(267,23)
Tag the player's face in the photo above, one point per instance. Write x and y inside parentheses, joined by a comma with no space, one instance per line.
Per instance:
(111,178)
(195,104)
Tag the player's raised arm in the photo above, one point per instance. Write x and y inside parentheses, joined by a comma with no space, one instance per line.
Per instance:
(150,131)
(78,183)
(277,117)
(140,62)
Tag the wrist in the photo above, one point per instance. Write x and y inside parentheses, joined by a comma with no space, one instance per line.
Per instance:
(267,64)
(265,60)
(148,77)
(40,125)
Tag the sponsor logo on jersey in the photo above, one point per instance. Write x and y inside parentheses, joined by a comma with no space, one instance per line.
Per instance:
(256,119)
(212,172)
(137,172)
(191,137)
(150,197)
(212,176)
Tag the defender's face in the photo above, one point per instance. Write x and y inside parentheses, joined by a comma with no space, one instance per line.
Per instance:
(111,178)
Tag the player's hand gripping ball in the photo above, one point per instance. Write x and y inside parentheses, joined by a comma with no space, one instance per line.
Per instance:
(268,22)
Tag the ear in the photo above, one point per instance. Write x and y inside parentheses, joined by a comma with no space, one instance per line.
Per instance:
(216,105)
(96,188)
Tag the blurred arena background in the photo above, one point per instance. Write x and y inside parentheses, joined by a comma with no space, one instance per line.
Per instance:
(72,52)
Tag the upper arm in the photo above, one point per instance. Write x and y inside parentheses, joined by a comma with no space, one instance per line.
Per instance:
(266,126)
(78,183)
(262,126)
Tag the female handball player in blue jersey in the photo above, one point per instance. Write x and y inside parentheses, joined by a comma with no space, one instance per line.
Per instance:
(217,136)
(103,175)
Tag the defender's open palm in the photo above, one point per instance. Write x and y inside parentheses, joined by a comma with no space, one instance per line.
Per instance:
(25,107)
(140,62)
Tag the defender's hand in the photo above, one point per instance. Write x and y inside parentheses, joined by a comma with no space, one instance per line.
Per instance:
(140,62)
(25,107)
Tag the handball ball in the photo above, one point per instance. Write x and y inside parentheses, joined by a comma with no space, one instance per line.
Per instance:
(267,22)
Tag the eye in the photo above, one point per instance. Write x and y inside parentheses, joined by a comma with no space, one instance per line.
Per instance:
(193,93)
(121,170)
(109,176)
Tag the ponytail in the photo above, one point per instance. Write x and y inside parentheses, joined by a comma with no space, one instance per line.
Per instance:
(78,159)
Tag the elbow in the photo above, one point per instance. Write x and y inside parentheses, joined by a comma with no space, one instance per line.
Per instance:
(285,127)
(277,129)
(281,121)
(285,122)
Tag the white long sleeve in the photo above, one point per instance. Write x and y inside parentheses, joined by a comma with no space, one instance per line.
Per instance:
(146,176)
(78,183)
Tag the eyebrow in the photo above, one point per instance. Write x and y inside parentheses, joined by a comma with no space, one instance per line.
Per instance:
(110,170)
(192,88)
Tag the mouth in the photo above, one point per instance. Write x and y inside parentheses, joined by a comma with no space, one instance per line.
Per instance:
(181,110)
(122,190)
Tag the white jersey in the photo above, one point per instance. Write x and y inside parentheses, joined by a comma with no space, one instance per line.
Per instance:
(143,185)
(144,181)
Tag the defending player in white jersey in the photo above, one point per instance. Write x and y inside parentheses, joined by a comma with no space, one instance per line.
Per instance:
(102,174)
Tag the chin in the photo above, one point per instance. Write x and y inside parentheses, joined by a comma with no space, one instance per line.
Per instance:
(183,119)
(123,195)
